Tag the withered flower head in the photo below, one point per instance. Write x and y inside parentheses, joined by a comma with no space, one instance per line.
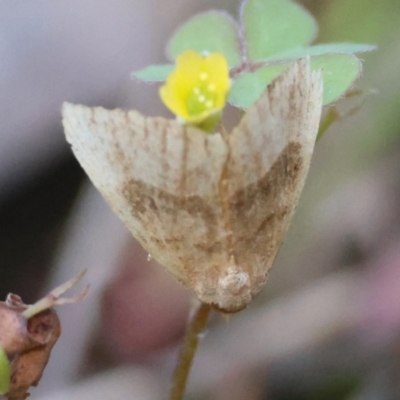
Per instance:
(27,336)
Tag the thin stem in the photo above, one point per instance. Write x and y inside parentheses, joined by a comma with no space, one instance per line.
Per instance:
(188,351)
(54,297)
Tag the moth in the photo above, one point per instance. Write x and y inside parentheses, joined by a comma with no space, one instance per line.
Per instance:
(212,208)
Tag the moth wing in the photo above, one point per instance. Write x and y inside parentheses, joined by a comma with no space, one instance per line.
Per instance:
(160,177)
(213,212)
(270,153)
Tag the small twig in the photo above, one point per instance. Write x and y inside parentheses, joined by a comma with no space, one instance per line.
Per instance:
(188,351)
(53,298)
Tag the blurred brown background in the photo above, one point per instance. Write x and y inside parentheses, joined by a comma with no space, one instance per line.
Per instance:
(327,326)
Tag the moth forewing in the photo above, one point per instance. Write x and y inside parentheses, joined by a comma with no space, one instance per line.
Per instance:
(161,178)
(212,211)
(270,153)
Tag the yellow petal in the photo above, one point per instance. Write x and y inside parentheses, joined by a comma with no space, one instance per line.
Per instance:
(171,95)
(198,86)
(218,70)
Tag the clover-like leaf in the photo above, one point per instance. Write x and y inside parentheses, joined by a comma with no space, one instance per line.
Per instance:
(339,72)
(248,86)
(246,89)
(153,73)
(273,26)
(5,372)
(321,49)
(210,32)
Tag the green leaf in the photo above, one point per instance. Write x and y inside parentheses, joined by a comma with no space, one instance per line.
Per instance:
(339,72)
(321,49)
(5,372)
(273,26)
(212,31)
(247,88)
(153,73)
(268,74)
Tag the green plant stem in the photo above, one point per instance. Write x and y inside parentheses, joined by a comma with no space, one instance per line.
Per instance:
(188,351)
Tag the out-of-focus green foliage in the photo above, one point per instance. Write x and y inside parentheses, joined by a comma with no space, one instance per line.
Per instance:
(5,372)
(359,20)
(354,143)
(378,22)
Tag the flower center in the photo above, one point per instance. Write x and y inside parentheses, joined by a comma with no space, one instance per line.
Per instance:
(202,96)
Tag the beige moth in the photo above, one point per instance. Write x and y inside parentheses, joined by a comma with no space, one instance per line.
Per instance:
(213,209)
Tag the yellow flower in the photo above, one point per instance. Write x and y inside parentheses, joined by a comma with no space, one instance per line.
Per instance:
(196,90)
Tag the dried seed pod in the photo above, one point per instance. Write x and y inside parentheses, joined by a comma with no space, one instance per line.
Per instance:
(27,343)
(212,209)
(27,336)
